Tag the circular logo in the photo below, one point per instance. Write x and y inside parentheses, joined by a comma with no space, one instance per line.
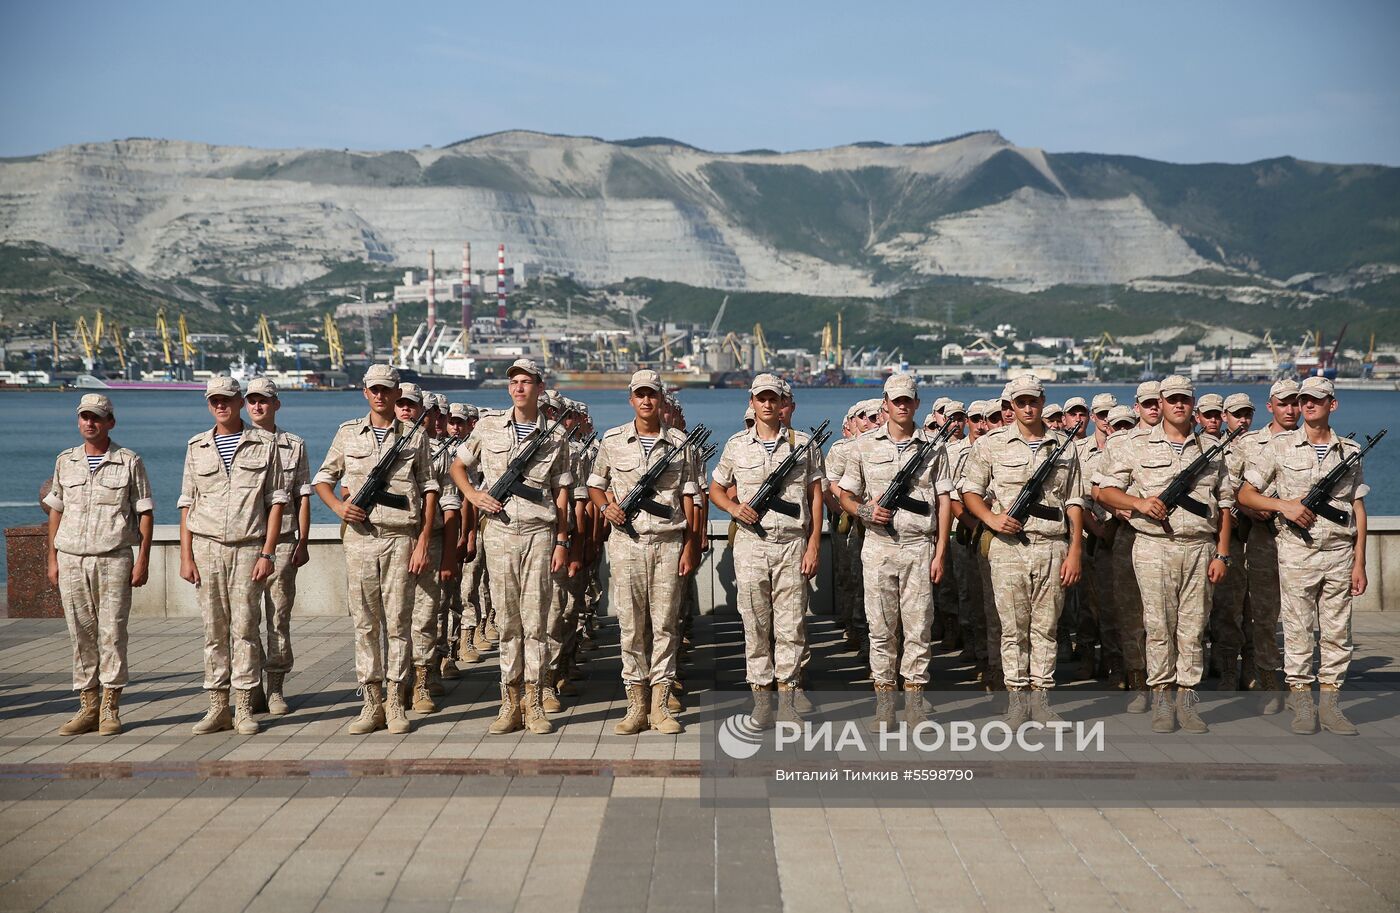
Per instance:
(739,737)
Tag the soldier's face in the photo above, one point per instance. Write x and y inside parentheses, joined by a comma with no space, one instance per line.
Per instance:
(1008,413)
(1079,416)
(766,405)
(1244,418)
(94,427)
(1150,411)
(901,409)
(1285,411)
(785,411)
(407,410)
(959,421)
(524,388)
(1179,408)
(381,399)
(224,408)
(1210,421)
(1057,422)
(995,419)
(260,407)
(1315,410)
(1027,408)
(1101,423)
(978,426)
(645,402)
(457,427)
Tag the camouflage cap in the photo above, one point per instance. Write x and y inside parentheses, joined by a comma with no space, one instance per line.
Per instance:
(411,392)
(95,403)
(897,385)
(953,407)
(525,366)
(1024,385)
(1317,388)
(1120,414)
(381,376)
(749,417)
(978,408)
(762,382)
(222,385)
(1053,409)
(1103,402)
(1210,402)
(940,403)
(1076,402)
(464,411)
(1238,402)
(1148,389)
(262,386)
(1176,385)
(1283,388)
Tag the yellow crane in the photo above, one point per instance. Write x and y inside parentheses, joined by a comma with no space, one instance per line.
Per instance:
(827,347)
(54,329)
(163,330)
(760,346)
(117,345)
(90,337)
(265,337)
(187,349)
(840,343)
(333,346)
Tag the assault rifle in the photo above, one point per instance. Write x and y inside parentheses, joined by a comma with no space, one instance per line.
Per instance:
(512,481)
(897,495)
(375,490)
(1318,497)
(769,494)
(1243,523)
(642,497)
(1027,503)
(1178,490)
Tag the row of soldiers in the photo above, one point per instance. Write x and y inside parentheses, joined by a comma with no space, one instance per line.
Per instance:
(980,519)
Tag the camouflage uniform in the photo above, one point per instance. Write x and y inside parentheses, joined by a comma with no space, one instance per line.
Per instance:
(568,591)
(1127,598)
(896,558)
(1315,577)
(1227,635)
(1171,559)
(772,593)
(1026,578)
(100,511)
(474,590)
(845,571)
(1096,584)
(1263,600)
(282,585)
(227,517)
(428,627)
(645,589)
(963,559)
(377,553)
(519,541)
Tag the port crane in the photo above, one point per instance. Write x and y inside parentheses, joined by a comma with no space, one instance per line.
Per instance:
(265,337)
(333,347)
(760,348)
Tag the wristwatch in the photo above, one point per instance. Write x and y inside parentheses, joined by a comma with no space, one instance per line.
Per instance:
(1224,559)
(564,543)
(267,556)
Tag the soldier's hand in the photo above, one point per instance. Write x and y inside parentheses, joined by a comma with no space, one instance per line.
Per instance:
(1258,516)
(1298,515)
(262,569)
(614,515)
(560,558)
(1005,524)
(688,561)
(350,513)
(300,555)
(811,560)
(936,569)
(188,572)
(746,515)
(881,516)
(53,570)
(469,553)
(140,573)
(418,561)
(1216,570)
(1151,507)
(575,566)
(446,573)
(1358,579)
(483,502)
(1070,571)
(1124,514)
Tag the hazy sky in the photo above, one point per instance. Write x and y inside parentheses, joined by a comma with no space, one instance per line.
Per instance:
(1181,81)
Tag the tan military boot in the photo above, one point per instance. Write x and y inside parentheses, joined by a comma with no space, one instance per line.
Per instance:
(563,685)
(492,632)
(276,700)
(435,687)
(787,705)
(395,717)
(673,696)
(219,716)
(243,720)
(762,706)
(447,668)
(468,651)
(1163,709)
(1187,716)
(884,707)
(1137,684)
(509,719)
(110,723)
(482,642)
(1018,710)
(660,716)
(799,696)
(1272,695)
(1038,706)
(1329,712)
(1304,710)
(636,719)
(916,710)
(536,719)
(422,701)
(549,697)
(85,720)
(371,712)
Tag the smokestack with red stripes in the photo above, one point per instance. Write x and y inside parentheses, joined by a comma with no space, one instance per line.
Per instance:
(432,292)
(501,284)
(466,289)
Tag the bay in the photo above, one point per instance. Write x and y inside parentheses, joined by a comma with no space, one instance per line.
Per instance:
(37,425)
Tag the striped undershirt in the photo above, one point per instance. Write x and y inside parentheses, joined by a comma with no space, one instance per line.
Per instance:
(1321,450)
(1178,446)
(523,430)
(95,461)
(902,446)
(647,441)
(1035,446)
(227,444)
(380,434)
(770,446)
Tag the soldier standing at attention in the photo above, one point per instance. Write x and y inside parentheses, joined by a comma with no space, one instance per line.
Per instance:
(474,593)
(776,555)
(1261,612)
(562,632)
(1054,415)
(1096,582)
(904,552)
(525,540)
(1321,572)
(263,405)
(385,549)
(648,570)
(1227,602)
(100,505)
(842,525)
(945,594)
(1177,555)
(985,647)
(1032,563)
(231,504)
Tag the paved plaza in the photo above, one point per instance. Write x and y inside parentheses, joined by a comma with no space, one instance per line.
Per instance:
(303,817)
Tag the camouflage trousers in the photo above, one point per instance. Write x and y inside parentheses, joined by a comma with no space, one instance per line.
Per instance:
(772,598)
(971,617)
(474,589)
(991,618)
(1316,588)
(898,606)
(1261,559)
(1029,599)
(1227,616)
(846,582)
(380,601)
(517,567)
(562,625)
(646,593)
(1171,575)
(230,602)
(96,594)
(427,600)
(277,610)
(1098,620)
(1127,601)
